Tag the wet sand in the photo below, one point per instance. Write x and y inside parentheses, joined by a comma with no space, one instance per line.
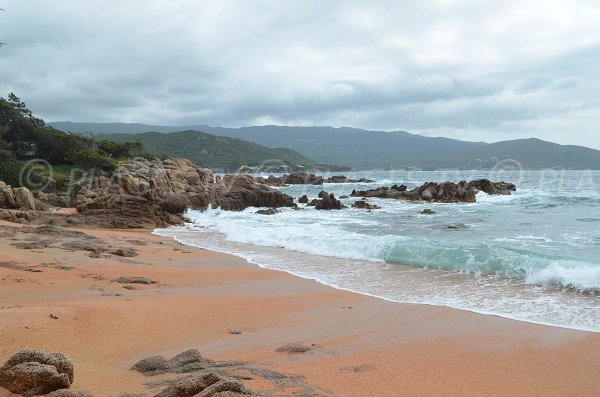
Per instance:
(361,346)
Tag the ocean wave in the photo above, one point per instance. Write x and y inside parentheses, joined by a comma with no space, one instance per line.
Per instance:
(582,278)
(332,234)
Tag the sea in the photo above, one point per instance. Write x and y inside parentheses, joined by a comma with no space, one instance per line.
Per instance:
(532,256)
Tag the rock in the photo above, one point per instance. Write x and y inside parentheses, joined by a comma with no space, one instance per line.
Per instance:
(327,202)
(337,179)
(306,178)
(427,195)
(293,348)
(151,192)
(151,365)
(303,199)
(55,199)
(68,393)
(125,252)
(427,211)
(344,197)
(33,372)
(270,211)
(186,357)
(18,216)
(19,198)
(452,227)
(225,385)
(489,187)
(302,178)
(234,331)
(190,385)
(187,361)
(363,204)
(445,192)
(134,280)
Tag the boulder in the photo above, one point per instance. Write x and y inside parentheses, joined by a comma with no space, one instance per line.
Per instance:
(32,372)
(187,361)
(190,385)
(327,202)
(16,198)
(303,199)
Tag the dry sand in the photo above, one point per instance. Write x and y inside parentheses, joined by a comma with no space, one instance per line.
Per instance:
(362,346)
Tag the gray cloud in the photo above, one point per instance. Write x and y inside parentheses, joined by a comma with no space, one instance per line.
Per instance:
(474,70)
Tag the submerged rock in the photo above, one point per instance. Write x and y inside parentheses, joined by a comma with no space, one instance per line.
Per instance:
(270,211)
(363,204)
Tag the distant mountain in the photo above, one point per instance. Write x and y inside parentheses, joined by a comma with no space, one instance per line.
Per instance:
(362,149)
(215,152)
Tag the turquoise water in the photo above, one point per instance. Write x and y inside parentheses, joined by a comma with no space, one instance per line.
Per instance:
(532,256)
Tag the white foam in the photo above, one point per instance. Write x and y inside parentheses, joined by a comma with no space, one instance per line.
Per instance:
(581,277)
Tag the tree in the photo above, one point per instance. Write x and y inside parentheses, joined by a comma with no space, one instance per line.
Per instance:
(18,126)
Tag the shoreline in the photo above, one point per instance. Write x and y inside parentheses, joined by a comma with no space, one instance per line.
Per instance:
(362,345)
(383,298)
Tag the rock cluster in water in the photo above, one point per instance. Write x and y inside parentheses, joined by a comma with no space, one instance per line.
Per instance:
(445,192)
(306,178)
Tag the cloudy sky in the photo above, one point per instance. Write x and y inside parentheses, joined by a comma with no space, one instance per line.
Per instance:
(469,69)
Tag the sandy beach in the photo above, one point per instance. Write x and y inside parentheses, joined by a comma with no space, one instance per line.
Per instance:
(55,297)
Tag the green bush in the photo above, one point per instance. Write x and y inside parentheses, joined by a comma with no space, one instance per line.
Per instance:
(10,171)
(88,159)
(120,150)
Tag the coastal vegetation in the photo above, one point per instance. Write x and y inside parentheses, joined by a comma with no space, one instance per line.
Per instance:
(217,152)
(26,140)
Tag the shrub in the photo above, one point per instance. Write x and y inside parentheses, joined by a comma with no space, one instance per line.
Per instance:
(10,171)
(88,159)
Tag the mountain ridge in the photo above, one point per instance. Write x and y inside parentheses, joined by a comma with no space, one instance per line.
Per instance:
(364,149)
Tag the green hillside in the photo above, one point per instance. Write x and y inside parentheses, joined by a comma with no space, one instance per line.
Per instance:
(216,152)
(531,154)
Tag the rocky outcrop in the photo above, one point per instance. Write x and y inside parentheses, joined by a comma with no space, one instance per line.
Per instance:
(32,372)
(326,201)
(306,178)
(295,178)
(19,198)
(446,192)
(156,190)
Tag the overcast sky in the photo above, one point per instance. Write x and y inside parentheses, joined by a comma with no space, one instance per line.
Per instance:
(478,70)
